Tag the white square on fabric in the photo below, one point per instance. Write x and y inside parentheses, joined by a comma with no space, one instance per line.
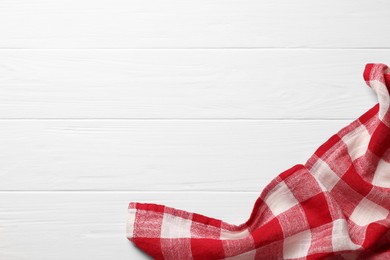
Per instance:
(383,96)
(280,199)
(357,142)
(340,236)
(367,212)
(297,245)
(130,222)
(226,234)
(382,174)
(175,227)
(324,174)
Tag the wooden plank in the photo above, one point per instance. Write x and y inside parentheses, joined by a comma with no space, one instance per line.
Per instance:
(271,84)
(204,23)
(149,155)
(92,225)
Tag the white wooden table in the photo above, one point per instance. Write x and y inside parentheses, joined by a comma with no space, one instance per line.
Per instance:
(192,104)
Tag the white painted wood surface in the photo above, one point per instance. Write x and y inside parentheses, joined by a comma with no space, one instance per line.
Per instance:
(193,24)
(242,83)
(208,99)
(148,155)
(89,225)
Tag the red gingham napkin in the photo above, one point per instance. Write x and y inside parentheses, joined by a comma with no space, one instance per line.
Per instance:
(334,206)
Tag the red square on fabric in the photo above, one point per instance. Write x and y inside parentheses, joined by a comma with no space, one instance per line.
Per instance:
(150,207)
(374,232)
(272,229)
(323,256)
(317,210)
(367,71)
(150,245)
(204,248)
(356,182)
(380,140)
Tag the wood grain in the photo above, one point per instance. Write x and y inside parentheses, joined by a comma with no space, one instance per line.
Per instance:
(195,105)
(91,225)
(259,84)
(152,155)
(198,24)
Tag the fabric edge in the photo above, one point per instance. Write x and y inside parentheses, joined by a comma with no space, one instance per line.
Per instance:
(131,212)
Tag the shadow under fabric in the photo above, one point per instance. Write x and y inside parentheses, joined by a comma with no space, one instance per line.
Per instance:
(334,206)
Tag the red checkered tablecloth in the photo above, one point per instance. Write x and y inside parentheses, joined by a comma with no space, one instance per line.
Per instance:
(334,206)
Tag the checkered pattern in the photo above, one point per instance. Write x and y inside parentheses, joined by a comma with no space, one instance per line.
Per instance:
(334,206)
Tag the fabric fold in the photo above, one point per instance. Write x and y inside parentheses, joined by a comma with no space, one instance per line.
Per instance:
(336,205)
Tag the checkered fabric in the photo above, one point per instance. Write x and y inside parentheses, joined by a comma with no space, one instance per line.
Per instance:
(335,206)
